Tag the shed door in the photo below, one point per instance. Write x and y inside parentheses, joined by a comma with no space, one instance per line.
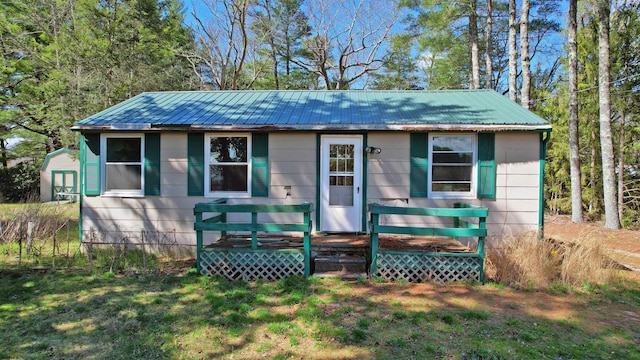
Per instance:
(63,184)
(341,183)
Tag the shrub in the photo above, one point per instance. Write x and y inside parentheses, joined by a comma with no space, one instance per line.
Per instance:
(20,183)
(523,261)
(36,221)
(528,262)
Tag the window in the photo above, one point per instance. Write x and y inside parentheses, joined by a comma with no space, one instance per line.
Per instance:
(123,173)
(228,167)
(452,170)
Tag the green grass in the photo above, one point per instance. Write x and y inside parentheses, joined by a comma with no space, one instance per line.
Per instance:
(109,308)
(159,316)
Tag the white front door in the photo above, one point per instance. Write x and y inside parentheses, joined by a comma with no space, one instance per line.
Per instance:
(341,183)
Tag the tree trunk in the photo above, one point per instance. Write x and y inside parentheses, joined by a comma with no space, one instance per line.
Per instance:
(574,135)
(612,221)
(524,55)
(621,165)
(272,45)
(3,153)
(473,43)
(513,52)
(592,167)
(488,43)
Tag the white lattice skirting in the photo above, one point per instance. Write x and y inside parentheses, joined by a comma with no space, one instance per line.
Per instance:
(414,267)
(251,265)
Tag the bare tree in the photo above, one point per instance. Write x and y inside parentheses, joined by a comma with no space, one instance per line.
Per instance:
(473,45)
(574,135)
(513,52)
(612,221)
(223,44)
(488,45)
(348,39)
(524,55)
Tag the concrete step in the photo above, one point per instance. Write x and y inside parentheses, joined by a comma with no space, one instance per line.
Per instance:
(343,266)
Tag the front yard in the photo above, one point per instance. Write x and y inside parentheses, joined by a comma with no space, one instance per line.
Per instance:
(123,305)
(175,314)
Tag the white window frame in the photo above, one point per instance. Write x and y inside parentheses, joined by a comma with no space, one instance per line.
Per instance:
(472,194)
(103,166)
(207,169)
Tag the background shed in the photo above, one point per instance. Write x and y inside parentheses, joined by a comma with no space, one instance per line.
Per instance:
(59,176)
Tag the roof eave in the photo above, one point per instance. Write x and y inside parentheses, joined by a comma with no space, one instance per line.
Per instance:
(324,127)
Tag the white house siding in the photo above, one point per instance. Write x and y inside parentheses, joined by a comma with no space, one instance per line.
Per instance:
(60,161)
(388,172)
(517,202)
(166,222)
(515,208)
(292,170)
(163,223)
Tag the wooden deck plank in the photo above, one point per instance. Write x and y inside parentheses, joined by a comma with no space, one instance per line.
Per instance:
(346,241)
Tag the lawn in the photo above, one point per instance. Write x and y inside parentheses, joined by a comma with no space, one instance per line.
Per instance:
(172,313)
(132,306)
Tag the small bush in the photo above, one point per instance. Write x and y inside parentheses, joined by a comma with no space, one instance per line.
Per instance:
(20,183)
(585,262)
(119,259)
(35,221)
(527,262)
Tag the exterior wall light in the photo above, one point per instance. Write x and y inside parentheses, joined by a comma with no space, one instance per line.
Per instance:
(373,150)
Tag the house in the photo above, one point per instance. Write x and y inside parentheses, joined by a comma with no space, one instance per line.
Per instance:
(59,176)
(147,161)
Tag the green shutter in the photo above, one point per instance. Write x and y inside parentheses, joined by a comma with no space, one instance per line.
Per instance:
(195,164)
(91,147)
(419,165)
(152,164)
(486,166)
(260,165)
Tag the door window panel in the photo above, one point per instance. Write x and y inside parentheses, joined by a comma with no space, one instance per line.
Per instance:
(341,173)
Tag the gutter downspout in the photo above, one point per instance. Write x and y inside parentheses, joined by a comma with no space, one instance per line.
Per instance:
(543,156)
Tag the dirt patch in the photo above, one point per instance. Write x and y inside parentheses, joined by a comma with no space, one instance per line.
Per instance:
(623,245)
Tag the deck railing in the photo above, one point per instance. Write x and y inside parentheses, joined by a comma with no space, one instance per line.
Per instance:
(460,228)
(219,223)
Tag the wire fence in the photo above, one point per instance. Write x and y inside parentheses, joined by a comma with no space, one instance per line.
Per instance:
(46,238)
(34,244)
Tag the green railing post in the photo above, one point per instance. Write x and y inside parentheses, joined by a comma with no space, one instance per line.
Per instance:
(199,240)
(254,233)
(456,224)
(482,223)
(219,223)
(223,219)
(307,242)
(374,241)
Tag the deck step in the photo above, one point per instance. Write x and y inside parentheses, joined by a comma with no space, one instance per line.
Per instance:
(342,266)
(341,275)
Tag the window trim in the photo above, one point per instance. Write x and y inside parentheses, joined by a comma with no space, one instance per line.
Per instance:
(103,166)
(207,170)
(474,170)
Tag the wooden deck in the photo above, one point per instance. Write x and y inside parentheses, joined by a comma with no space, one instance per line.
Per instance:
(344,242)
(390,252)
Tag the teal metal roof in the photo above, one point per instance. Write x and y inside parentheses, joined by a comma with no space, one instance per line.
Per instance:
(317,110)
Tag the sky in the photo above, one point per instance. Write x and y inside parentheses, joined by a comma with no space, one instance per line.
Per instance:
(553,43)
